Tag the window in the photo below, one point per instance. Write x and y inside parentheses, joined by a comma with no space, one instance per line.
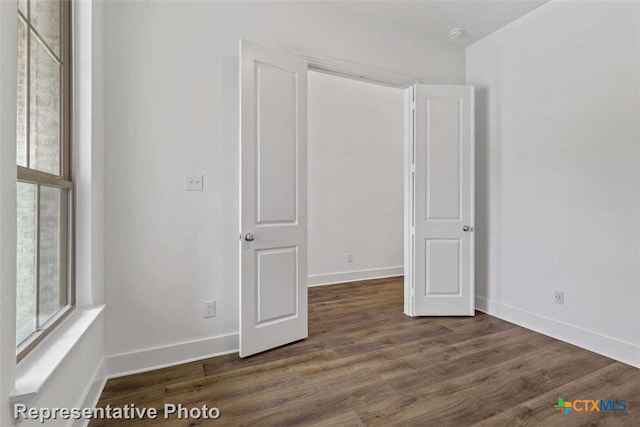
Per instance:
(44,189)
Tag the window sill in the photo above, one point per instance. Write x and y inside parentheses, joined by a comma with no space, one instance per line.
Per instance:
(49,326)
(40,365)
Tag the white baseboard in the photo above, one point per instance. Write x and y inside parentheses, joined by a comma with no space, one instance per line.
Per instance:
(175,354)
(353,276)
(92,394)
(619,350)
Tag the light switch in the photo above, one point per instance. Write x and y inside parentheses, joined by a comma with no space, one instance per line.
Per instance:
(194,183)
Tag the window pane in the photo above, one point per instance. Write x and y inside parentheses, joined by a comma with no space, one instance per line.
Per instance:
(22,94)
(45,17)
(26,261)
(45,110)
(51,297)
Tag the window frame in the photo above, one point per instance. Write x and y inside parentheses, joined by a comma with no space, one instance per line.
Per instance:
(62,181)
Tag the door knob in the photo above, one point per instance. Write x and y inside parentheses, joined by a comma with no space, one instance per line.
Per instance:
(249,237)
(466,228)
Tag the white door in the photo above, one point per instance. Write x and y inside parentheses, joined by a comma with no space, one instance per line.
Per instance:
(443,201)
(273,198)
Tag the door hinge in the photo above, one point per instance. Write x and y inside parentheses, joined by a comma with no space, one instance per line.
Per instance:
(413,105)
(413,292)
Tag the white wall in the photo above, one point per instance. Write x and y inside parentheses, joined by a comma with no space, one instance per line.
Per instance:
(171,109)
(558,173)
(8,79)
(355,181)
(89,151)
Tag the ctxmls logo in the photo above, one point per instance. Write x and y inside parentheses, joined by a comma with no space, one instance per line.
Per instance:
(587,405)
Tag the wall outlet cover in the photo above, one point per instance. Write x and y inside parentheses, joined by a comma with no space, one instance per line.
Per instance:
(209,309)
(194,183)
(558,297)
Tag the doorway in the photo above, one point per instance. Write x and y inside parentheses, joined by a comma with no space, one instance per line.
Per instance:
(355,137)
(438,194)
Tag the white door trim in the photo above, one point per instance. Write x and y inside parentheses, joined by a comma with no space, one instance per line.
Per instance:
(353,70)
(409,226)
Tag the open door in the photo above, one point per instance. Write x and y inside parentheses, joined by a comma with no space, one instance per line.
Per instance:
(443,198)
(273,198)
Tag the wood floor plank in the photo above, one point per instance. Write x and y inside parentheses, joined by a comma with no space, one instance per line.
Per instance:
(614,381)
(448,398)
(366,363)
(345,419)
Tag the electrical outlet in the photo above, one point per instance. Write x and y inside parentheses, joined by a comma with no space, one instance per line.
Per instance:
(558,297)
(209,309)
(194,183)
(349,258)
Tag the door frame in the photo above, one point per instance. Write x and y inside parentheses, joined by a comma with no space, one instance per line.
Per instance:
(406,82)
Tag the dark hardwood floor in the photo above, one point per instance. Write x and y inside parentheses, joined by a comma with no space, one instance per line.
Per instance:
(366,363)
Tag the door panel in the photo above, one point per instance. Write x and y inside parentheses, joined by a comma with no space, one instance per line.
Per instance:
(277,284)
(443,261)
(277,120)
(273,199)
(443,201)
(443,159)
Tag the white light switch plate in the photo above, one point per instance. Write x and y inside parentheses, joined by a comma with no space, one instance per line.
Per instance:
(194,183)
